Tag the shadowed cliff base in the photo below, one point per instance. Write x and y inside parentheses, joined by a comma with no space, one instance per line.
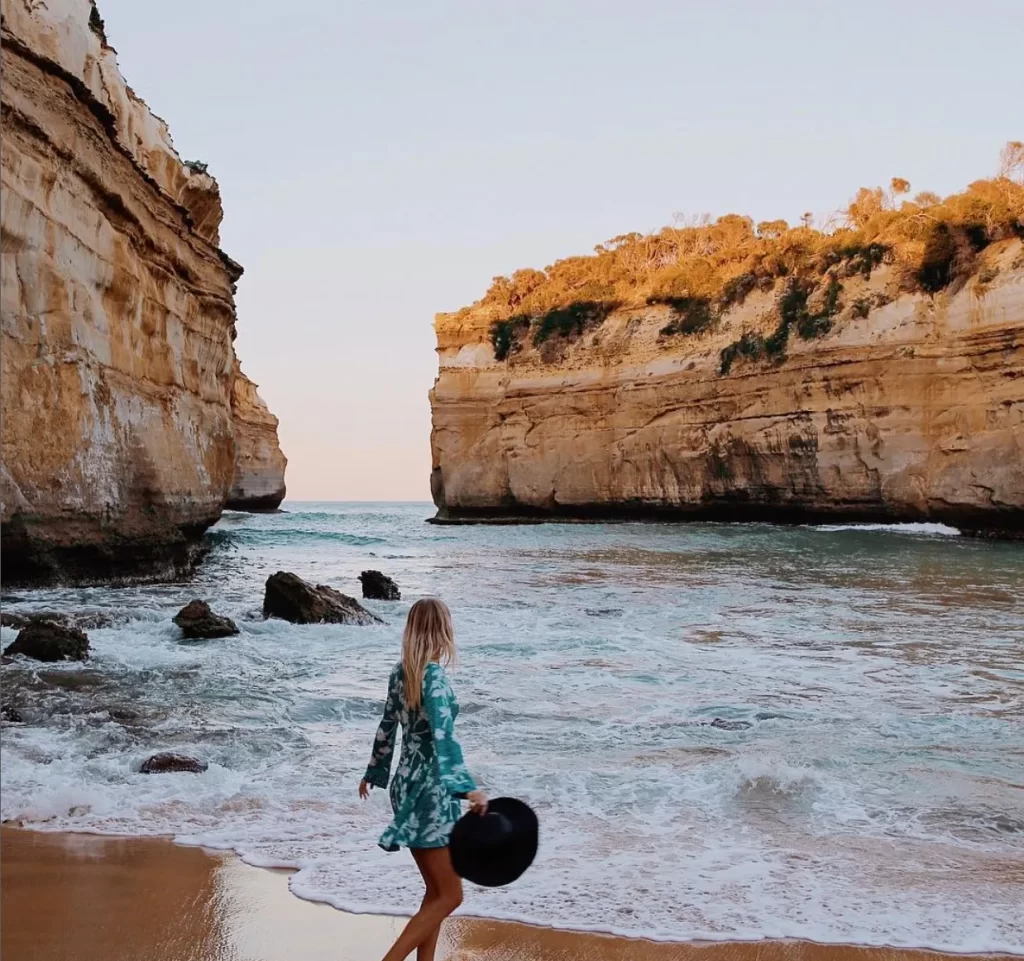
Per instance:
(974,523)
(270,504)
(80,553)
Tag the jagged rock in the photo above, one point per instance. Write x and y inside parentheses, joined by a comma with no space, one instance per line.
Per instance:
(379,587)
(11,714)
(197,621)
(45,641)
(291,598)
(169,762)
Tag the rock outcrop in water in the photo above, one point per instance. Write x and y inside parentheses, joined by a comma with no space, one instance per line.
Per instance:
(892,404)
(379,587)
(169,762)
(118,317)
(198,622)
(259,463)
(290,598)
(46,641)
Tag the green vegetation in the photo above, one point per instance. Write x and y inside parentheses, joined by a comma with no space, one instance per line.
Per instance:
(570,321)
(706,268)
(794,313)
(503,335)
(861,307)
(196,166)
(692,314)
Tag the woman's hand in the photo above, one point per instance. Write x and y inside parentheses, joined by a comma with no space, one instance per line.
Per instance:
(477,802)
(364,789)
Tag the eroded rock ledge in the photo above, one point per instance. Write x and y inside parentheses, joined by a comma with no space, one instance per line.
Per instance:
(118,317)
(909,410)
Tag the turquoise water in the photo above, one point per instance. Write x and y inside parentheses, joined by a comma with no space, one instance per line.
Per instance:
(863,781)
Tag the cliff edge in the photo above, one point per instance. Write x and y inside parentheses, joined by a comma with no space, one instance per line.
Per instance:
(118,316)
(738,372)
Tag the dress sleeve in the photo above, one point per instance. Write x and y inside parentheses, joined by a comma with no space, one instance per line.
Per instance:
(437,704)
(379,769)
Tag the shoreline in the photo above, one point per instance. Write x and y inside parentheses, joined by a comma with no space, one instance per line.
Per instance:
(102,898)
(968,525)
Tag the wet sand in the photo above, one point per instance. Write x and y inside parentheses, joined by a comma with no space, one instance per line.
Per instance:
(66,897)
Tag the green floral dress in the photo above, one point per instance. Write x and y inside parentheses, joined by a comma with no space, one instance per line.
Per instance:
(431,775)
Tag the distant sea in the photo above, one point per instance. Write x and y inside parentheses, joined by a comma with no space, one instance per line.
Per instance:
(728,731)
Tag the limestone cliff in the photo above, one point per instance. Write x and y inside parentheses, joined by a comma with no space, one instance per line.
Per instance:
(907,407)
(259,463)
(118,370)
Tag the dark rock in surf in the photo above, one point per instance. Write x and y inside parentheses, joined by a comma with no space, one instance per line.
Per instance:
(379,587)
(11,714)
(170,763)
(45,641)
(124,715)
(292,599)
(84,681)
(724,725)
(198,622)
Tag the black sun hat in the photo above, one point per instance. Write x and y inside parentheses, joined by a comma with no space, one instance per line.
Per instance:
(495,848)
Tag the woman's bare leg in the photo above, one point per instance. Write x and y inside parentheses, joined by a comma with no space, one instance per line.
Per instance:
(425,952)
(444,895)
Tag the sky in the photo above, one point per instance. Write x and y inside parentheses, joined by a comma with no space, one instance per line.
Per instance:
(381,162)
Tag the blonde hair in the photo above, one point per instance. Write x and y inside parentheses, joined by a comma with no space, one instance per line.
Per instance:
(429,636)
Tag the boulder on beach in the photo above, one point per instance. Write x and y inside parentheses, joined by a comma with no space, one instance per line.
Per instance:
(46,641)
(379,587)
(198,622)
(291,598)
(169,762)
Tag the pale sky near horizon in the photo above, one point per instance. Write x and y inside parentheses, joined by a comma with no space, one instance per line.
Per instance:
(382,162)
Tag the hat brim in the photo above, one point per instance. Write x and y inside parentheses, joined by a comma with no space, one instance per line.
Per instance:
(493,867)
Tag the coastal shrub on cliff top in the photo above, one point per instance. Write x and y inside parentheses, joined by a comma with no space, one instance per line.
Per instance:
(706,267)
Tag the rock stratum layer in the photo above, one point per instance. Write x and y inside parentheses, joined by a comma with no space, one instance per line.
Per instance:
(118,316)
(914,412)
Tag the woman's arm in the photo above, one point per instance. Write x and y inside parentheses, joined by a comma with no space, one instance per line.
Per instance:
(379,769)
(437,706)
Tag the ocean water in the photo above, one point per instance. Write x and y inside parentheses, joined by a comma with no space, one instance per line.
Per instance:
(873,793)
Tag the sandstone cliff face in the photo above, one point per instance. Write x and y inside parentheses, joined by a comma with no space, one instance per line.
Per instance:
(259,464)
(118,316)
(913,412)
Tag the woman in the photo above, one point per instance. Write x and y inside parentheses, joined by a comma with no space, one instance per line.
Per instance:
(431,776)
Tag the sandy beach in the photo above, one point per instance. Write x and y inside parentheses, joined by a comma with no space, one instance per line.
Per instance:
(72,897)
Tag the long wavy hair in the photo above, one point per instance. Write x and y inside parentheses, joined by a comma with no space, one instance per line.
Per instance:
(429,636)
